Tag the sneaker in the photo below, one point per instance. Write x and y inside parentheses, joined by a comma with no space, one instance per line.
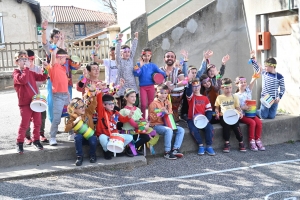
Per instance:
(201,150)
(107,155)
(128,152)
(79,160)
(28,141)
(253,146)
(259,145)
(226,148)
(177,153)
(210,151)
(43,138)
(93,159)
(71,137)
(53,142)
(38,145)
(19,148)
(169,155)
(140,151)
(242,147)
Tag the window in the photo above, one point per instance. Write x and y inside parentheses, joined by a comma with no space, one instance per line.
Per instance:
(80,30)
(1,30)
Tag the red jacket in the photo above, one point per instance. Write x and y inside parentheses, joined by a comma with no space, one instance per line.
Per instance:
(21,84)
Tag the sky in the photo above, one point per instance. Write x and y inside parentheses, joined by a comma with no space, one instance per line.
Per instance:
(87,4)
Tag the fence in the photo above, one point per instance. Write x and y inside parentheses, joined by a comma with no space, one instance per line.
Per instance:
(81,48)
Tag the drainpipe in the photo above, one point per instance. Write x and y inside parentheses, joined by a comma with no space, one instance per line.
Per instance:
(263,28)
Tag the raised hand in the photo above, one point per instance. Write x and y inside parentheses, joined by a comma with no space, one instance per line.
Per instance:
(185,54)
(136,35)
(225,59)
(120,35)
(97,46)
(252,54)
(141,62)
(122,82)
(45,24)
(208,54)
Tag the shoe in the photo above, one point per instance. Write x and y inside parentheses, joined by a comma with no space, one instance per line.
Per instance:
(242,147)
(52,142)
(253,146)
(43,138)
(259,145)
(177,153)
(226,148)
(19,148)
(201,150)
(210,151)
(169,155)
(128,152)
(79,160)
(28,141)
(71,137)
(38,145)
(93,159)
(107,155)
(140,151)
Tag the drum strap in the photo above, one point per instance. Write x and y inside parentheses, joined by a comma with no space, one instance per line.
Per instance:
(30,86)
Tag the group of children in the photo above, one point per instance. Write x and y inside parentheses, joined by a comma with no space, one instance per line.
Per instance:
(101,115)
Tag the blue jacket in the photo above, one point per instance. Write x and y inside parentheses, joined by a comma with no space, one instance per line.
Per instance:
(145,73)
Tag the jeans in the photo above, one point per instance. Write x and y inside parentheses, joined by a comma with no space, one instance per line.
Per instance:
(267,113)
(59,100)
(168,134)
(147,96)
(80,140)
(208,130)
(103,139)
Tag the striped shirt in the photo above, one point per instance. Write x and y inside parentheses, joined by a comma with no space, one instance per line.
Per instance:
(174,75)
(270,82)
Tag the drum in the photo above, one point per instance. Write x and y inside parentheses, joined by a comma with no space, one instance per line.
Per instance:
(267,101)
(158,78)
(116,143)
(251,112)
(169,121)
(231,116)
(200,121)
(65,111)
(176,97)
(38,103)
(83,129)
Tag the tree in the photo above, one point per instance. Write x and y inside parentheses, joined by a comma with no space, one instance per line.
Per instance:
(112,5)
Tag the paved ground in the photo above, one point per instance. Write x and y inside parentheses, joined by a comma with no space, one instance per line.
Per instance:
(273,174)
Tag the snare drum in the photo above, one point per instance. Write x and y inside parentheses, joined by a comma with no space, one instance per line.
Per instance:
(267,101)
(200,121)
(38,103)
(251,112)
(176,97)
(158,78)
(116,143)
(231,116)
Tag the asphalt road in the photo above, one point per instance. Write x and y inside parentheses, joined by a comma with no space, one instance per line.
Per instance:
(273,174)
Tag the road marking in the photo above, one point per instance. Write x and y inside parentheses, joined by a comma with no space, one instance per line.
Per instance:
(166,179)
(291,198)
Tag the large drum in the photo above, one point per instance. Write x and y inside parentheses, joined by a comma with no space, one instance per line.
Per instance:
(158,78)
(38,103)
(169,121)
(176,97)
(251,112)
(200,121)
(231,116)
(267,101)
(83,129)
(116,143)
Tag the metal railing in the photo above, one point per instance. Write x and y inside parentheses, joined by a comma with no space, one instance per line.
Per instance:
(81,48)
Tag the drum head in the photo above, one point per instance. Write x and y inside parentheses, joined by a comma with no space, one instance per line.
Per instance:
(38,106)
(158,78)
(178,89)
(200,121)
(231,116)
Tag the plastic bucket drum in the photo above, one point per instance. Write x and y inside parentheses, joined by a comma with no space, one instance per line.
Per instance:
(169,121)
(158,78)
(200,121)
(116,143)
(83,129)
(251,112)
(38,103)
(231,116)
(267,100)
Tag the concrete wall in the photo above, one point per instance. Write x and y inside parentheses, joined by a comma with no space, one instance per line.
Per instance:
(19,21)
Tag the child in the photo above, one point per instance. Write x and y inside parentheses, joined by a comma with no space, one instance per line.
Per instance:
(227,101)
(59,89)
(25,86)
(144,70)
(39,70)
(132,126)
(162,103)
(107,123)
(79,111)
(270,84)
(211,92)
(199,104)
(124,58)
(244,93)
